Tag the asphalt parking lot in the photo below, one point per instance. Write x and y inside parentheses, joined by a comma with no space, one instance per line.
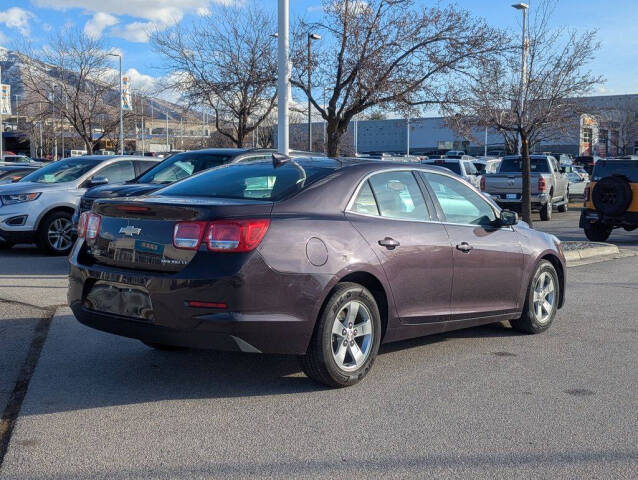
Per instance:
(484,402)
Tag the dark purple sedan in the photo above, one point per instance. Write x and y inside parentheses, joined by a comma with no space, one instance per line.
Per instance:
(316,257)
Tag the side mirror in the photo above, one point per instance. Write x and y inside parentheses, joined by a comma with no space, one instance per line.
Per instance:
(508,218)
(98,180)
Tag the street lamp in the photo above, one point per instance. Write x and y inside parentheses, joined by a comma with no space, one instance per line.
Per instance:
(119,55)
(283,75)
(311,37)
(523,7)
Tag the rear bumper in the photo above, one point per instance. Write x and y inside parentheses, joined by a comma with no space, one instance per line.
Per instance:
(588,216)
(267,312)
(536,200)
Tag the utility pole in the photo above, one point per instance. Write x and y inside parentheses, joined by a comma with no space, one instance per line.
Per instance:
(283,80)
(119,55)
(407,125)
(311,37)
(523,7)
(167,147)
(485,146)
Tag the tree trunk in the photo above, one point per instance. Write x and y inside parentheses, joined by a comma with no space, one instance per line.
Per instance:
(526,201)
(89,147)
(334,132)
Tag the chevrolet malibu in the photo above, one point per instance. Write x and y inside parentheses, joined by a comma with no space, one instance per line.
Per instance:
(321,258)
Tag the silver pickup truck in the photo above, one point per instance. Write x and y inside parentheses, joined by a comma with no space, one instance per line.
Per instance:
(549,184)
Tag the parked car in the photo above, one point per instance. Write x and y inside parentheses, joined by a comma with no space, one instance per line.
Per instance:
(611,199)
(549,184)
(463,167)
(486,164)
(172,169)
(11,159)
(316,257)
(576,184)
(13,173)
(587,162)
(39,207)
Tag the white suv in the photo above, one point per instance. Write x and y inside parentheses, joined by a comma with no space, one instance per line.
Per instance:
(38,208)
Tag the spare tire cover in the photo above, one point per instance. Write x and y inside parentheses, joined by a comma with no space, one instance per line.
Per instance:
(612,195)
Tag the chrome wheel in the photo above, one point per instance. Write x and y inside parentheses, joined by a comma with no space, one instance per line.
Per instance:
(59,234)
(544,297)
(352,336)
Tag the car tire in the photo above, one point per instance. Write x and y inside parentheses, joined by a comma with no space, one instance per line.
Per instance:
(612,195)
(541,302)
(55,234)
(346,339)
(597,232)
(163,346)
(565,206)
(546,211)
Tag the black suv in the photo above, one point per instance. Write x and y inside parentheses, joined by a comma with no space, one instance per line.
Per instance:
(174,168)
(611,199)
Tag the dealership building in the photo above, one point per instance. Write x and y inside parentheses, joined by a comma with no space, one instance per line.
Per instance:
(598,132)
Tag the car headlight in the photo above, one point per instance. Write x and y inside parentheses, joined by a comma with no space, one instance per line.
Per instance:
(19,198)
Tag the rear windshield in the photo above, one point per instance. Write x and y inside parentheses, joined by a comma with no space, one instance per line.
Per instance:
(62,171)
(625,168)
(515,165)
(181,166)
(251,180)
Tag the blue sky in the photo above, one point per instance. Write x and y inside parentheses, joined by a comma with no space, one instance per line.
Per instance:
(121,23)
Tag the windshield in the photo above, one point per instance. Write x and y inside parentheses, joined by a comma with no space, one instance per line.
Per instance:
(181,166)
(62,171)
(515,165)
(256,180)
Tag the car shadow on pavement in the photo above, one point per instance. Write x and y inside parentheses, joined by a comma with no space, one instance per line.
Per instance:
(82,369)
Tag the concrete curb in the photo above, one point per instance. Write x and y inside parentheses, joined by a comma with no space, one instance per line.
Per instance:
(577,251)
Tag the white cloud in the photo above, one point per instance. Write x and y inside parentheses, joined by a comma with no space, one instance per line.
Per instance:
(137,31)
(16,17)
(100,21)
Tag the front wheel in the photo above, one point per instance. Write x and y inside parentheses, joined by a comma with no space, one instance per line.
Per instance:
(346,339)
(597,232)
(55,234)
(542,299)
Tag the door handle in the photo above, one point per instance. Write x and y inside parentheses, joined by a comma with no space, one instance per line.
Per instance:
(389,243)
(464,247)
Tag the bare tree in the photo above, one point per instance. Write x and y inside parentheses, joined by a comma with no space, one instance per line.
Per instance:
(385,54)
(225,60)
(72,78)
(556,73)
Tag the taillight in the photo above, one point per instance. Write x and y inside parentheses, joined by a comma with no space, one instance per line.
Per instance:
(84,217)
(541,184)
(483,183)
(235,235)
(188,235)
(91,226)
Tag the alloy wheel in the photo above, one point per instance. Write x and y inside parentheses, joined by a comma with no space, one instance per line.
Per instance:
(544,297)
(59,234)
(352,336)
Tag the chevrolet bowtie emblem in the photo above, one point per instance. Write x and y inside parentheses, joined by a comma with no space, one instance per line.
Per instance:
(130,230)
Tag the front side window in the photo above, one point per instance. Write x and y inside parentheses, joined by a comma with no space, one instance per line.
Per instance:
(460,203)
(398,195)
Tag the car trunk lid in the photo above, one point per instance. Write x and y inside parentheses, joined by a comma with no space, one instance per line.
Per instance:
(138,234)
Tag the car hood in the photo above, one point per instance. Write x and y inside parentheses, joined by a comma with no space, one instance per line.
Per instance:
(122,190)
(29,187)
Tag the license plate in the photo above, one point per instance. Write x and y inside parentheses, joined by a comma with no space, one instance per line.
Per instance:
(119,299)
(511,196)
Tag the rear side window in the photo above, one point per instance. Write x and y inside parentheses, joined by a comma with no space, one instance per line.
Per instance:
(398,195)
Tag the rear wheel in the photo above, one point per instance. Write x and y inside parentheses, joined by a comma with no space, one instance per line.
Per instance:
(346,339)
(55,234)
(541,303)
(546,210)
(565,206)
(597,232)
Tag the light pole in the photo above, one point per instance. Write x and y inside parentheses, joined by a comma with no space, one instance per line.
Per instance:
(17,111)
(283,73)
(523,7)
(407,135)
(311,37)
(119,55)
(1,126)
